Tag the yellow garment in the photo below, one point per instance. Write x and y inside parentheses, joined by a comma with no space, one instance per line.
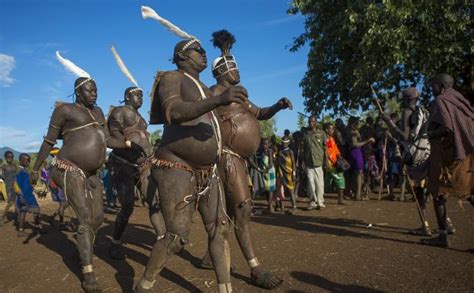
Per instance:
(16,188)
(3,189)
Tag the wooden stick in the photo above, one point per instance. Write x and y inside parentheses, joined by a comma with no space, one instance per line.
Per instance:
(384,167)
(377,103)
(424,222)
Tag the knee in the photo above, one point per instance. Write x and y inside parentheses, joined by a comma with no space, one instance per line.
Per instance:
(218,228)
(96,221)
(127,209)
(439,199)
(244,210)
(175,242)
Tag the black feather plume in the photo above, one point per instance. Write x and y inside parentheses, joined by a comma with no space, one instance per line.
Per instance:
(223,40)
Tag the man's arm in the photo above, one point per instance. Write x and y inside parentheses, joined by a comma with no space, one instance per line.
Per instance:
(115,142)
(58,118)
(176,110)
(355,143)
(269,112)
(399,133)
(115,124)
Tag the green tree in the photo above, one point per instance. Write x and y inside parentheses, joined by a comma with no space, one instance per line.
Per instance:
(268,128)
(155,136)
(386,43)
(301,122)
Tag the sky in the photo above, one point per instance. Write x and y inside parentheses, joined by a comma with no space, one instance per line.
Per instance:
(31,79)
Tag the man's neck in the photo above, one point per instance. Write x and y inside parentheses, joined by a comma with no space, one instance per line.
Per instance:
(81,104)
(132,107)
(224,83)
(190,70)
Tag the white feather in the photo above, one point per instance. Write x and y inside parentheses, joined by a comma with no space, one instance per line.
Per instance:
(122,66)
(73,68)
(147,12)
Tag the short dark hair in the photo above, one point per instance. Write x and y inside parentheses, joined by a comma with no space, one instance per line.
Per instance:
(127,90)
(24,155)
(444,79)
(327,125)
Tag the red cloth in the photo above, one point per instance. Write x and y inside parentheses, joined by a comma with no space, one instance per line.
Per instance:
(455,112)
(332,149)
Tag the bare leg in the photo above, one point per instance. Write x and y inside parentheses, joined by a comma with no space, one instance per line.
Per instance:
(212,210)
(149,188)
(10,203)
(359,179)
(122,178)
(441,216)
(173,186)
(239,207)
(21,223)
(340,196)
(88,207)
(293,208)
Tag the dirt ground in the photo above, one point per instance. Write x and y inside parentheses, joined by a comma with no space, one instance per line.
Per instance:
(331,250)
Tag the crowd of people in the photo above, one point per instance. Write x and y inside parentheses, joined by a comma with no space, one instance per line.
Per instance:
(351,161)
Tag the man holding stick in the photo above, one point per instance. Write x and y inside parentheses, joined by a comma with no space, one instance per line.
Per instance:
(416,149)
(451,134)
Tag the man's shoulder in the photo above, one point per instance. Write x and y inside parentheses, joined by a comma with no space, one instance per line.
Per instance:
(171,75)
(98,110)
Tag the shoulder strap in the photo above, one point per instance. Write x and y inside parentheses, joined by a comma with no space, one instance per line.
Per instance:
(215,122)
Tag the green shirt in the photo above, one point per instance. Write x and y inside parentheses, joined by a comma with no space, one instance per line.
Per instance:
(314,148)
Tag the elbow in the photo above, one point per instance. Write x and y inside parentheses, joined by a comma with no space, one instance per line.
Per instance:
(176,119)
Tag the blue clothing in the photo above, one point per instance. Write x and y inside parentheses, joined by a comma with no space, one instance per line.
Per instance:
(26,200)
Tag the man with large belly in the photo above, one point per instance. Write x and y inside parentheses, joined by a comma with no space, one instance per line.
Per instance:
(129,168)
(241,139)
(82,127)
(184,166)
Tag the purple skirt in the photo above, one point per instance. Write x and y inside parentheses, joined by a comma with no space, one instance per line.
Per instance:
(357,159)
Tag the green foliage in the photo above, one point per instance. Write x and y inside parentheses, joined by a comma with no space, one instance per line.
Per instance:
(327,119)
(386,44)
(268,128)
(302,121)
(155,136)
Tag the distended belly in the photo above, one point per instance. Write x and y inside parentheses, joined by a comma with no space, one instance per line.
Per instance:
(85,148)
(241,134)
(194,143)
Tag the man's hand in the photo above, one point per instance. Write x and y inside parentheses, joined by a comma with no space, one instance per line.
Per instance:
(371,140)
(284,103)
(235,94)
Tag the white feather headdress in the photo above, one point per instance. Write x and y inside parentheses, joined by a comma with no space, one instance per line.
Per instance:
(71,67)
(148,12)
(123,67)
(74,69)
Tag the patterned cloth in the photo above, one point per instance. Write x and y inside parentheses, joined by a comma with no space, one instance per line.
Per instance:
(285,168)
(269,177)
(256,177)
